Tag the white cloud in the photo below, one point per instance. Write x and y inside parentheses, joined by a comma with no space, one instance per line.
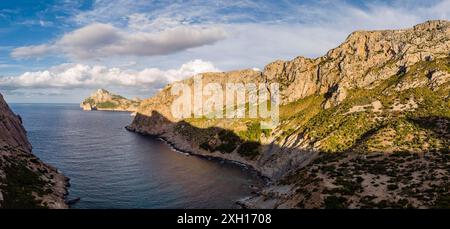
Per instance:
(33,50)
(300,29)
(255,45)
(70,76)
(292,28)
(141,22)
(133,34)
(99,40)
(3,65)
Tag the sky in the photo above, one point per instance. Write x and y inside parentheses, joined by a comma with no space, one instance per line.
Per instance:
(61,51)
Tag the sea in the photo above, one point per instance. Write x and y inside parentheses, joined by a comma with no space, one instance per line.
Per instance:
(112,168)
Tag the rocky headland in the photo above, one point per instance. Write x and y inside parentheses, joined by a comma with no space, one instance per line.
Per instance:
(25,181)
(364,126)
(104,100)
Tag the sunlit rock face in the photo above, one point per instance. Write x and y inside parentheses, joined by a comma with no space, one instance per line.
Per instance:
(105,100)
(380,92)
(363,60)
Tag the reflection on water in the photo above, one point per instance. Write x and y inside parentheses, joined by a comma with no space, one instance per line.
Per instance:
(110,167)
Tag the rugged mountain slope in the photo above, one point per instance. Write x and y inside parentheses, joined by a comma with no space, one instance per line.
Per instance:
(25,181)
(105,100)
(376,96)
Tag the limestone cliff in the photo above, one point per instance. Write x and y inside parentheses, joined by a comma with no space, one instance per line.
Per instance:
(365,59)
(105,100)
(25,181)
(378,95)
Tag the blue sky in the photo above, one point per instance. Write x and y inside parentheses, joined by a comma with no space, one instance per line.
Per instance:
(60,51)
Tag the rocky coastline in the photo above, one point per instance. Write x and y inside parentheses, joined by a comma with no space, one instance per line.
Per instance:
(26,181)
(180,147)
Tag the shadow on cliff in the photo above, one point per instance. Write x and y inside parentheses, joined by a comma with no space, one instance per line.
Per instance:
(216,142)
(438,125)
(211,139)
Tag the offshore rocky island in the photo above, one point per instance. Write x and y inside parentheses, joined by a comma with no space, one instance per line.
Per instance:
(104,100)
(364,126)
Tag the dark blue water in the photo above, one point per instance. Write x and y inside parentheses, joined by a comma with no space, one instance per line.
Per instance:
(110,167)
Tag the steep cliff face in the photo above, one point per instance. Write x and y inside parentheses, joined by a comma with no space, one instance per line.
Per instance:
(105,100)
(25,181)
(362,61)
(380,92)
(11,130)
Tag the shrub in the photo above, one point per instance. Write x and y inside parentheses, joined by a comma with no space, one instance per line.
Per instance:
(335,202)
(21,182)
(106,105)
(229,141)
(392,187)
(249,149)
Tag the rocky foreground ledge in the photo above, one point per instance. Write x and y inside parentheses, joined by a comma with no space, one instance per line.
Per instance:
(25,181)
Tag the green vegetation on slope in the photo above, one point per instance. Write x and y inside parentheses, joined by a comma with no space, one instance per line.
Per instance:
(106,105)
(21,186)
(397,180)
(380,118)
(103,99)
(337,130)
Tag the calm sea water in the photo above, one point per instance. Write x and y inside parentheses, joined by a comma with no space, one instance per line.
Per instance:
(110,167)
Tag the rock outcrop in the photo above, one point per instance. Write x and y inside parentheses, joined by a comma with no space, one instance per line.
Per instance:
(105,100)
(25,181)
(362,61)
(378,92)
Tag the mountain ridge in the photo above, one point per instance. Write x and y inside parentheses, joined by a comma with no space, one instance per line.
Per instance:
(383,91)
